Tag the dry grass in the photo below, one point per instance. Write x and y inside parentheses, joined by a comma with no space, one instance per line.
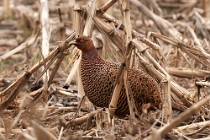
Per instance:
(167,39)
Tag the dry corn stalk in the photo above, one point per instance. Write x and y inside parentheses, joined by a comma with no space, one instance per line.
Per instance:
(13,90)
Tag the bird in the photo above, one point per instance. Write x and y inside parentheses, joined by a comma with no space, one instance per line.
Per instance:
(98,79)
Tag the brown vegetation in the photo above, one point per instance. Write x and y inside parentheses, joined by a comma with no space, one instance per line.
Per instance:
(169,39)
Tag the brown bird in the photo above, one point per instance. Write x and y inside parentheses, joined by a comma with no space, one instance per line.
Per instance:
(98,78)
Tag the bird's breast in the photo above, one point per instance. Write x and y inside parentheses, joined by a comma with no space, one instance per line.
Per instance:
(98,82)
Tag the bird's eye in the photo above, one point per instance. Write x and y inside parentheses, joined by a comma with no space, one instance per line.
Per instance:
(82,40)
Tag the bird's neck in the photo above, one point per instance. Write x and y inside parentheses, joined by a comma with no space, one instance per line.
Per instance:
(91,55)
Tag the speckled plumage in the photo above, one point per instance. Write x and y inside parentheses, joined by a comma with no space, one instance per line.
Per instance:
(98,77)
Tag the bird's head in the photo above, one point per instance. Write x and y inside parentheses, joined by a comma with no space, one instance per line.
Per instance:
(84,43)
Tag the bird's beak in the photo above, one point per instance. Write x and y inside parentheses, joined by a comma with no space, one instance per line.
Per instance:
(73,43)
